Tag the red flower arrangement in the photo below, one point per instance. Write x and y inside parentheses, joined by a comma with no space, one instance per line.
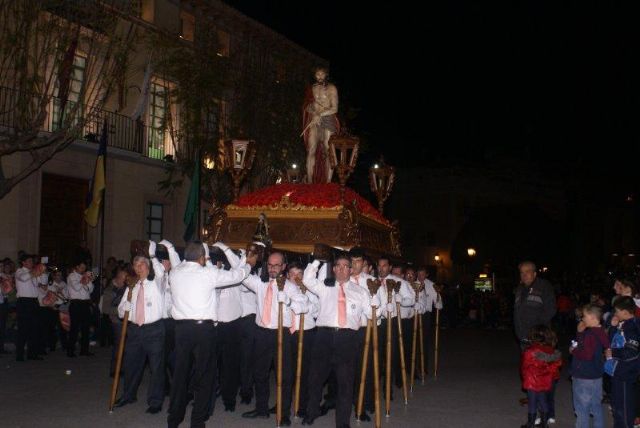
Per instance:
(310,195)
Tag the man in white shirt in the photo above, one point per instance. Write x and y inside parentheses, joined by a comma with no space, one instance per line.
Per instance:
(194,284)
(343,305)
(248,329)
(430,299)
(407,300)
(228,345)
(294,274)
(360,277)
(80,287)
(145,337)
(163,259)
(268,298)
(26,279)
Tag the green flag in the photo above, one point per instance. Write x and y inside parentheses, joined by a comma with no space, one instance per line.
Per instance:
(192,210)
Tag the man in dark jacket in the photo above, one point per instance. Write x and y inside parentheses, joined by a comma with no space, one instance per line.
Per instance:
(535,302)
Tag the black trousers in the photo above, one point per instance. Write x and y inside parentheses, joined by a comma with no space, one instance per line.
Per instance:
(27,313)
(195,343)
(368,388)
(427,334)
(80,314)
(334,350)
(247,347)
(117,333)
(407,335)
(623,402)
(106,331)
(4,314)
(169,351)
(142,343)
(308,347)
(395,352)
(266,353)
(227,350)
(47,322)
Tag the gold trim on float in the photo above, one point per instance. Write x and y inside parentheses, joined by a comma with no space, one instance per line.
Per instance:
(296,248)
(331,213)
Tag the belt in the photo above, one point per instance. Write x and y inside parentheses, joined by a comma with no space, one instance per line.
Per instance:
(196,322)
(132,324)
(335,328)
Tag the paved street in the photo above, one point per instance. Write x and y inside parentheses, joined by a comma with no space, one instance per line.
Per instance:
(477,386)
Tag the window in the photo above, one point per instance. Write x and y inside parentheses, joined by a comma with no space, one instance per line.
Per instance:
(147,10)
(187,26)
(153,224)
(224,43)
(158,100)
(215,120)
(76,80)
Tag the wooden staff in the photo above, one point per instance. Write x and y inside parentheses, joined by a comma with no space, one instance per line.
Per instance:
(421,338)
(373,286)
(388,365)
(363,371)
(435,346)
(296,402)
(280,282)
(416,288)
(403,370)
(123,335)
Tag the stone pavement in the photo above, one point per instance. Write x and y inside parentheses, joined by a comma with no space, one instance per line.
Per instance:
(477,386)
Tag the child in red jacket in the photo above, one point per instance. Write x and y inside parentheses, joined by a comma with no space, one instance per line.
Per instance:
(540,366)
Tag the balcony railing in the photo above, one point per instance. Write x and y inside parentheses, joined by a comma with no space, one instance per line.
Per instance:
(124,132)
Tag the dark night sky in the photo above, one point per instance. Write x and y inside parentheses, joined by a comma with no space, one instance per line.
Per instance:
(551,82)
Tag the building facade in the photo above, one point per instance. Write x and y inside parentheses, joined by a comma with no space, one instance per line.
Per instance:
(44,213)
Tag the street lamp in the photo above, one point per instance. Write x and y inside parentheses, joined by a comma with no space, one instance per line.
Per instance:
(471,252)
(437,258)
(343,154)
(209,162)
(381,179)
(293,174)
(238,159)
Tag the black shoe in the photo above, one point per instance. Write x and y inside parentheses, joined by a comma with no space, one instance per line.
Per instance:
(285,422)
(308,420)
(87,354)
(364,417)
(231,407)
(122,402)
(153,409)
(255,414)
(531,421)
(272,411)
(245,399)
(326,406)
(301,414)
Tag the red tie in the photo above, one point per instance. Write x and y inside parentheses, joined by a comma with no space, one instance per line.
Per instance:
(266,308)
(342,308)
(140,305)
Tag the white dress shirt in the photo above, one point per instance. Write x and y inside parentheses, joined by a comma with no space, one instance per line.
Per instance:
(78,290)
(309,317)
(431,297)
(193,289)
(162,275)
(361,280)
(60,288)
(26,284)
(249,301)
(153,302)
(229,303)
(406,293)
(298,302)
(358,302)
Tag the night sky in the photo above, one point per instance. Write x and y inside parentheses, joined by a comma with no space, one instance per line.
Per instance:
(552,83)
